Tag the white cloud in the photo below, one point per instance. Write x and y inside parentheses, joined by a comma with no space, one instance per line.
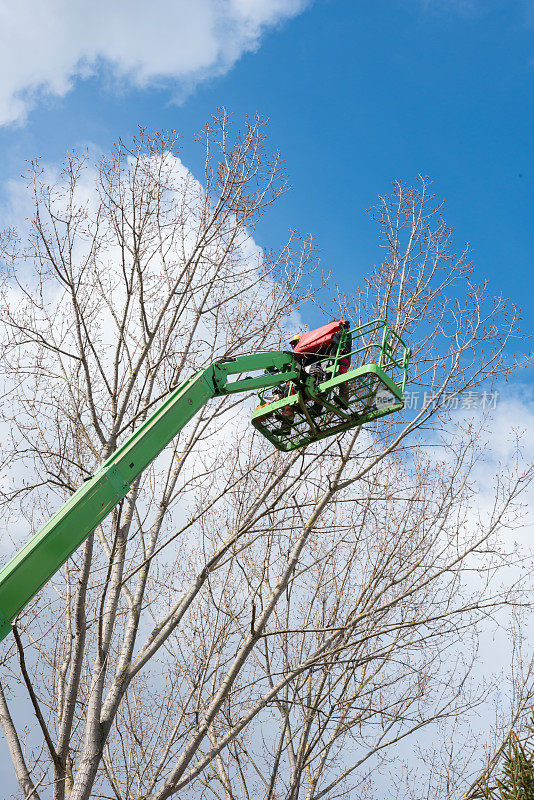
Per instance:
(45,46)
(17,209)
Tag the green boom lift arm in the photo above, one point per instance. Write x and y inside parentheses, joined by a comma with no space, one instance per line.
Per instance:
(363,401)
(47,551)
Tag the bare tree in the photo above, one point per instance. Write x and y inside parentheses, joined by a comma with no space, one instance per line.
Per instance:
(247,623)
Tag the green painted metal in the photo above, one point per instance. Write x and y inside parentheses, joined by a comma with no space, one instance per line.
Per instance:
(314,409)
(45,553)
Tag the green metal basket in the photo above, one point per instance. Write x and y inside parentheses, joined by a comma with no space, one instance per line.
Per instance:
(331,401)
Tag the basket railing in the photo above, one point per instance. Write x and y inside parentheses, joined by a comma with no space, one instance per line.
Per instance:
(373,342)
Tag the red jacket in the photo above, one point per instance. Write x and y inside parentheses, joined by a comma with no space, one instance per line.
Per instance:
(320,338)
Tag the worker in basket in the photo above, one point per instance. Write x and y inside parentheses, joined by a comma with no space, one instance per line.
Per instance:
(317,351)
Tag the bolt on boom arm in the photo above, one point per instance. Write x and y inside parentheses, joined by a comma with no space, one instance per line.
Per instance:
(47,551)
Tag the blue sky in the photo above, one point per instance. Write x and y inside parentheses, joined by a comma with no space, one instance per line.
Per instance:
(358,94)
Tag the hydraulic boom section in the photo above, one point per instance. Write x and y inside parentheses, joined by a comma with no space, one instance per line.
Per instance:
(318,404)
(47,551)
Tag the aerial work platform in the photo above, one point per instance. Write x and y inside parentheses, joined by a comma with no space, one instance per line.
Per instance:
(361,379)
(334,379)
